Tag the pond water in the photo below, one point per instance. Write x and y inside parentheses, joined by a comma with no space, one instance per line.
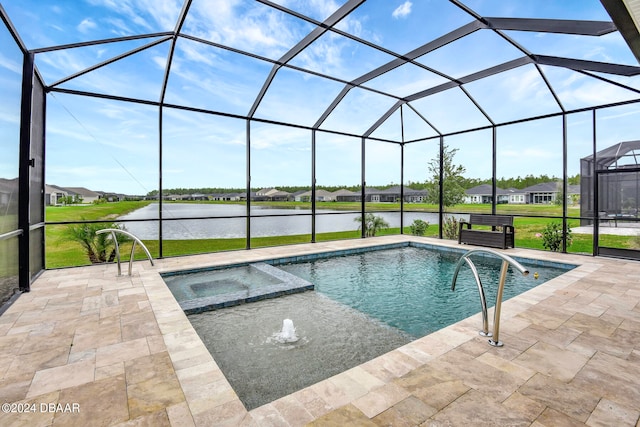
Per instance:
(296,221)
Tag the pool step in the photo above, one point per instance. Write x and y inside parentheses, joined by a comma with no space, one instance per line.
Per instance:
(288,284)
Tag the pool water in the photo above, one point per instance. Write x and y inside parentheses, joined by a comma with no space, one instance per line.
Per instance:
(260,368)
(363,306)
(207,283)
(410,288)
(210,290)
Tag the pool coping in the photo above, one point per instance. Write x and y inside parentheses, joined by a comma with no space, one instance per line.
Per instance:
(344,388)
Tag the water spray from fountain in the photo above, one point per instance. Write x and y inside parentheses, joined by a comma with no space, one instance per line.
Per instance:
(288,332)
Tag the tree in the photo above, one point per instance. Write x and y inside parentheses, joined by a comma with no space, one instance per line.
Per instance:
(453,181)
(372,224)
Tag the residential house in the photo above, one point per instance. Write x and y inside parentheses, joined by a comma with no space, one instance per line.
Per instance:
(301,195)
(321,196)
(271,195)
(280,196)
(266,192)
(84,194)
(196,196)
(233,197)
(392,194)
(414,196)
(374,195)
(483,193)
(53,195)
(515,196)
(112,197)
(345,195)
(543,193)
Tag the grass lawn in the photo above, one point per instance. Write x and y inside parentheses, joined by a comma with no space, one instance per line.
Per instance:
(64,253)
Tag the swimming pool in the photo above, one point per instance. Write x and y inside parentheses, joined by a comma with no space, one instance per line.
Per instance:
(365,304)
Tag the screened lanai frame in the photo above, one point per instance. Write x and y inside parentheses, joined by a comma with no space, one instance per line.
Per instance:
(596,70)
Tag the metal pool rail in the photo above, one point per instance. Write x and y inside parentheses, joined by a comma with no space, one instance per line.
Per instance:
(506,260)
(113,232)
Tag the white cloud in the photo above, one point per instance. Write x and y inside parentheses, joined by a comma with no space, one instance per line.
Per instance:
(13,118)
(118,26)
(165,13)
(525,85)
(64,62)
(589,92)
(86,25)
(403,10)
(258,29)
(10,65)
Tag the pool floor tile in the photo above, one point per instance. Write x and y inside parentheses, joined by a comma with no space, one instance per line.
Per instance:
(122,349)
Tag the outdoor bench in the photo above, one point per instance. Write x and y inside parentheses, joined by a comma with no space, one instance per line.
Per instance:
(503,238)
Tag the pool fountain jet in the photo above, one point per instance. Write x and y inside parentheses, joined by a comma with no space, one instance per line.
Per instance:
(288,332)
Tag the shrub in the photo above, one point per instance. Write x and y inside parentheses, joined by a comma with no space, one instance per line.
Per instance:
(372,224)
(451,228)
(99,248)
(552,236)
(419,227)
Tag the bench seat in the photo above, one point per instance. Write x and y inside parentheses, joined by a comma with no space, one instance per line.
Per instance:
(503,238)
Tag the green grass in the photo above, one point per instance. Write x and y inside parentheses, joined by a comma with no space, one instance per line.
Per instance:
(106,211)
(62,253)
(542,210)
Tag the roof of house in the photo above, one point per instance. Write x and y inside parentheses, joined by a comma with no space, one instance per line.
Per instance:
(482,189)
(407,190)
(82,191)
(543,187)
(278,193)
(573,189)
(50,188)
(345,192)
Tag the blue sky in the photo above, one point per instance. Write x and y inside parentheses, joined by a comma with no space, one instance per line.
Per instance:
(113,146)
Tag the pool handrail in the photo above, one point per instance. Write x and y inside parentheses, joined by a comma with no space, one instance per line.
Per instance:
(113,232)
(506,260)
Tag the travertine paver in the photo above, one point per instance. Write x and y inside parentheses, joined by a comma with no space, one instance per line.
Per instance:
(123,352)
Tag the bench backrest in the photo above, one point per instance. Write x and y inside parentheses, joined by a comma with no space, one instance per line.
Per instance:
(493,220)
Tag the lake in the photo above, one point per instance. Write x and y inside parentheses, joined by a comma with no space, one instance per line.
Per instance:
(296,221)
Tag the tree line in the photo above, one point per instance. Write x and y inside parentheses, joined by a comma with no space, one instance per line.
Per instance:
(454,182)
(465,183)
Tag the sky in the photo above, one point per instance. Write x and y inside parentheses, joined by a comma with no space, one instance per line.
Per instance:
(109,145)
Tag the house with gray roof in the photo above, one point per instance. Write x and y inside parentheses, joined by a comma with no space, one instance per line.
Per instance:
(483,193)
(548,192)
(414,196)
(514,196)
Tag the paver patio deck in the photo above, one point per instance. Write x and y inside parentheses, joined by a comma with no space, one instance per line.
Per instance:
(107,350)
